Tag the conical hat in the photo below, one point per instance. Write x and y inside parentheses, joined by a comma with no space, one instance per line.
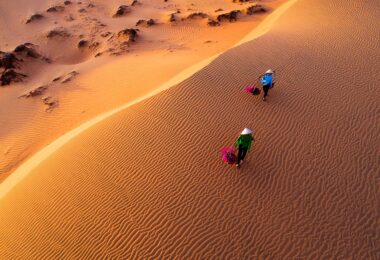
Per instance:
(269,72)
(246,131)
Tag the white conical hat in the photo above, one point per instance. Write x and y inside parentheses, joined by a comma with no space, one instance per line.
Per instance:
(269,71)
(246,131)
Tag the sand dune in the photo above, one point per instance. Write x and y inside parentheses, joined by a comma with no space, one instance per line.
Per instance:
(147,182)
(111,72)
(39,157)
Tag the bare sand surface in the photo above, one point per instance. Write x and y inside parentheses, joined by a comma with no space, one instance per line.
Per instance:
(147,182)
(110,73)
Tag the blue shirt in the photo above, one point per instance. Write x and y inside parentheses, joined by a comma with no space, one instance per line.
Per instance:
(267,79)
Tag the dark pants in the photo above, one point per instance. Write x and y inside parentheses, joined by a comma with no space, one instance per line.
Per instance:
(242,153)
(266,89)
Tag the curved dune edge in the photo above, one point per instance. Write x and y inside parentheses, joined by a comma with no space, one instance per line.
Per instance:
(22,171)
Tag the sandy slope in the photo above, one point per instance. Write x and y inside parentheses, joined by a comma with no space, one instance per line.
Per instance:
(105,82)
(148,181)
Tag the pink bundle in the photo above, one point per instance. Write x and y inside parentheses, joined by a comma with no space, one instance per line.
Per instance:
(253,90)
(249,89)
(228,155)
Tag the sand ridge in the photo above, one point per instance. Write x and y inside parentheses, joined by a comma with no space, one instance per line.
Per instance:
(148,182)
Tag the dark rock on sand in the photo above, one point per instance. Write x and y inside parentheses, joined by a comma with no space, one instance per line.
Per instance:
(36,92)
(56,79)
(67,2)
(50,102)
(197,15)
(135,2)
(94,45)
(172,18)
(83,43)
(8,60)
(212,22)
(70,76)
(146,23)
(58,32)
(231,16)
(35,17)
(55,9)
(105,34)
(8,76)
(28,49)
(130,34)
(122,10)
(255,9)
(20,48)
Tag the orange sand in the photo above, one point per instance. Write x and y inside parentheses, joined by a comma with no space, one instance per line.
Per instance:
(107,82)
(147,182)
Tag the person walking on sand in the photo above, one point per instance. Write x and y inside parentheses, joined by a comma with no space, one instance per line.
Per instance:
(244,144)
(268,81)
